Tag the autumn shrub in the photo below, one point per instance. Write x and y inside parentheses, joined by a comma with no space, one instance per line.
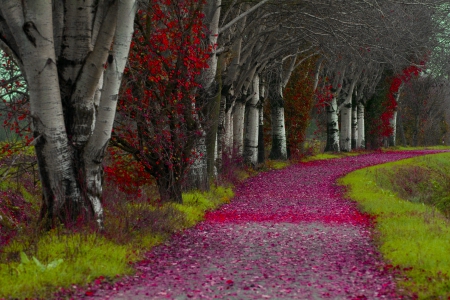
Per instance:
(414,237)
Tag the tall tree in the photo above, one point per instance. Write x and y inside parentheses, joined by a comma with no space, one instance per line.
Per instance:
(62,49)
(159,120)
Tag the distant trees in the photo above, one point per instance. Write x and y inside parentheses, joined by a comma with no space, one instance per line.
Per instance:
(423,111)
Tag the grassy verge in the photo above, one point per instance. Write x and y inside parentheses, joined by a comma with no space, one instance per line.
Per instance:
(410,199)
(36,264)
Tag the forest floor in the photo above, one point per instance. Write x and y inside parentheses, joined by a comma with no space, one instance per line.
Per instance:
(287,234)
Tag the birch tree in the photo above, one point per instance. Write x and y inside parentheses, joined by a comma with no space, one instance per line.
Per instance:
(63,48)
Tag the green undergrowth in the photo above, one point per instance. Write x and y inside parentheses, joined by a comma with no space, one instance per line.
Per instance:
(403,148)
(35,265)
(410,199)
(330,155)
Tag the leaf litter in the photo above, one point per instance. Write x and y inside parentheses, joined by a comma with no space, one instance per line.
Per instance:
(287,234)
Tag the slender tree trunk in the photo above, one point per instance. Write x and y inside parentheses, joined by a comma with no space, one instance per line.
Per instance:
(212,129)
(393,124)
(229,130)
(212,83)
(251,126)
(346,120)
(221,129)
(278,150)
(238,125)
(354,125)
(261,148)
(361,143)
(332,127)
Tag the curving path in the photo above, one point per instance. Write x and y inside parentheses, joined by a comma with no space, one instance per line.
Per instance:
(288,234)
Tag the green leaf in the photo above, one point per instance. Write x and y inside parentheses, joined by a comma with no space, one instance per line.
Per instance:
(39,264)
(24,258)
(54,264)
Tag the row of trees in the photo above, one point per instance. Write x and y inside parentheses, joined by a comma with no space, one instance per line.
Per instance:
(198,76)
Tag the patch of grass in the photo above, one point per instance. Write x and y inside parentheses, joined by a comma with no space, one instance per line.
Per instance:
(196,203)
(403,148)
(62,258)
(412,235)
(324,156)
(277,164)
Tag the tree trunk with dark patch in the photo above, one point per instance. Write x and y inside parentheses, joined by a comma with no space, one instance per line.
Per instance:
(332,127)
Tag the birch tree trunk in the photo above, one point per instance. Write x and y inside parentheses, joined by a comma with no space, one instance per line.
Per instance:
(346,132)
(261,148)
(332,127)
(229,131)
(238,126)
(252,126)
(63,48)
(361,143)
(345,110)
(278,150)
(211,83)
(393,122)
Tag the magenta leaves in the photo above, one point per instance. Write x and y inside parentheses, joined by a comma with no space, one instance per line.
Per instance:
(288,234)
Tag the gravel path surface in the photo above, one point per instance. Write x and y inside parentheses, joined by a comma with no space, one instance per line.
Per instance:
(288,234)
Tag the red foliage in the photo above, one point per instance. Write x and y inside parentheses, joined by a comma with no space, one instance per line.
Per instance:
(158,120)
(299,97)
(390,105)
(126,173)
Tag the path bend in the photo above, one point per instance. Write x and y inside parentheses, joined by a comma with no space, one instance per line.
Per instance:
(287,234)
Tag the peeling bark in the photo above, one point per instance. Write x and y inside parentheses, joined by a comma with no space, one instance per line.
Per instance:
(63,47)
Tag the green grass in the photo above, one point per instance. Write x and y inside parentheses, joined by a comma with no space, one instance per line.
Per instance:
(437,147)
(412,235)
(36,264)
(328,155)
(61,260)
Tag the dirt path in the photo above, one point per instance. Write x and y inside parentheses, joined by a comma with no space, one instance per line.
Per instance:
(288,234)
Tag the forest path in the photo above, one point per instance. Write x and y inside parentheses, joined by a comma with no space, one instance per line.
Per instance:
(287,234)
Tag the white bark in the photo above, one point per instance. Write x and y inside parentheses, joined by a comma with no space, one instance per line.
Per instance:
(393,121)
(345,110)
(39,62)
(252,126)
(213,15)
(346,122)
(332,127)
(63,47)
(98,141)
(278,150)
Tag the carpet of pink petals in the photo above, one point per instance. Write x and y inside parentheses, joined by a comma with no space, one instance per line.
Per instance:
(287,234)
